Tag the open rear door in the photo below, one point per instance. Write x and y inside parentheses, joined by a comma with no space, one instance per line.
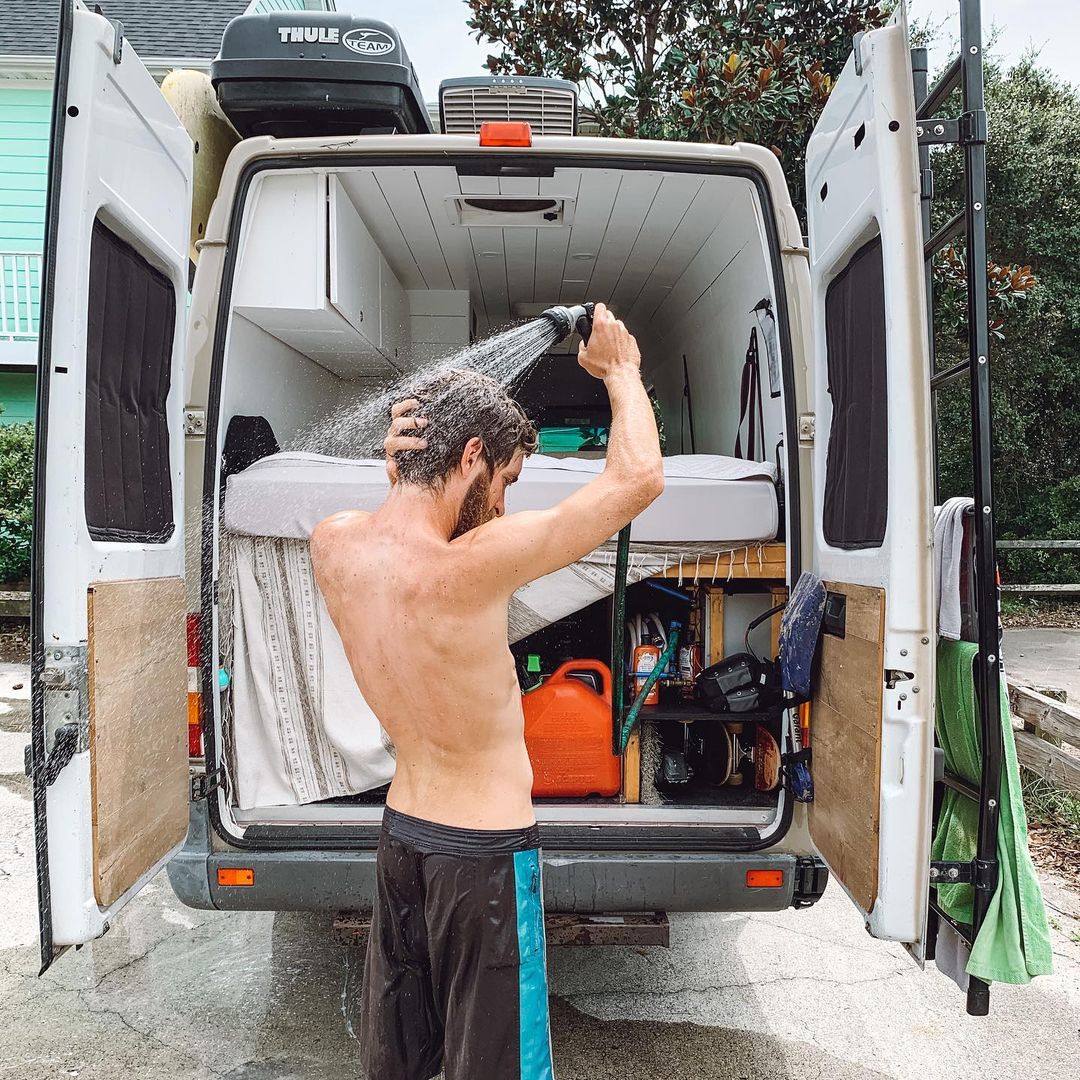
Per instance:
(108,753)
(872,715)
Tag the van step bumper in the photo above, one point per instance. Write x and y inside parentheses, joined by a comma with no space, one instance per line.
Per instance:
(633,929)
(574,882)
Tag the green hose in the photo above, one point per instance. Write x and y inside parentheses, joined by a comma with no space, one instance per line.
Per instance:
(618,619)
(650,682)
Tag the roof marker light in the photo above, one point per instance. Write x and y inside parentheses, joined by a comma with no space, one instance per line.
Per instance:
(505,133)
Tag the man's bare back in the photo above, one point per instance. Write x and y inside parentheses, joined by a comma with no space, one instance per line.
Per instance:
(426,636)
(422,612)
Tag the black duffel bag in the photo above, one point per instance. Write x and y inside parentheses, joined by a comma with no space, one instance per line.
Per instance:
(740,684)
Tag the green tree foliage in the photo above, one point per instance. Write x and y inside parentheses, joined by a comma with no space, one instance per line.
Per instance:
(696,70)
(1033,224)
(727,70)
(16,504)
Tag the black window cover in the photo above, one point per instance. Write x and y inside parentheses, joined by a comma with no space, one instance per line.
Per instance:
(129,339)
(857,468)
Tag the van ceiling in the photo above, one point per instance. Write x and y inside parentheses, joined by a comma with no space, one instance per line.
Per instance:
(649,243)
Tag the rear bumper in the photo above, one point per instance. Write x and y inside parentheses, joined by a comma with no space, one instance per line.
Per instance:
(581,882)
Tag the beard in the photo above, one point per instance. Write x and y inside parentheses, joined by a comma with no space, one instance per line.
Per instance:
(475,507)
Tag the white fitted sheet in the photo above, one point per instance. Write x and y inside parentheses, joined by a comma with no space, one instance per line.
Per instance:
(706,498)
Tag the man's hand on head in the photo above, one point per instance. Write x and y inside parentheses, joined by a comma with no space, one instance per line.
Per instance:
(402,434)
(612,348)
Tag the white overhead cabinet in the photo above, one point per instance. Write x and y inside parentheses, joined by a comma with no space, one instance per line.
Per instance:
(321,286)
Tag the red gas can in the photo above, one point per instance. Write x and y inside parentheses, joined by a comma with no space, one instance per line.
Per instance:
(568,734)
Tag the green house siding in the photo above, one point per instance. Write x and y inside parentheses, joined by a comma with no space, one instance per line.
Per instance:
(16,397)
(24,160)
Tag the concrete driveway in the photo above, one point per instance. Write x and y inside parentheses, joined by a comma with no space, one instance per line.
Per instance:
(172,994)
(1045,657)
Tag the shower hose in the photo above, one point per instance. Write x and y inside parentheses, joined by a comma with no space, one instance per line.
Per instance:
(650,682)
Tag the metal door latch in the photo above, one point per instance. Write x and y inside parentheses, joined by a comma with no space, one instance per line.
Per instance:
(807,427)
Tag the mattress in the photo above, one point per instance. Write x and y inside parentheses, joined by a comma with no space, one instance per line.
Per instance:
(706,498)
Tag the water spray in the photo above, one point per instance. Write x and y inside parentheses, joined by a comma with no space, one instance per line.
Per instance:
(567,319)
(359,427)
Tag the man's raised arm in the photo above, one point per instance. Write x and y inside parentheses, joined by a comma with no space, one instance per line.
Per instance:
(522,547)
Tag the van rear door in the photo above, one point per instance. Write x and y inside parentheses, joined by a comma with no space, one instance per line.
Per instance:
(108,753)
(873,712)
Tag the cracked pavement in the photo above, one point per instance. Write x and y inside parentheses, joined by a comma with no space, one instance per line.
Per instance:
(176,994)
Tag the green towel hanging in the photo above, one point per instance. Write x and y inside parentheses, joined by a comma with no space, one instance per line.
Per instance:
(1013,944)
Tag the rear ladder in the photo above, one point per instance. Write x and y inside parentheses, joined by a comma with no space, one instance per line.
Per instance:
(968,131)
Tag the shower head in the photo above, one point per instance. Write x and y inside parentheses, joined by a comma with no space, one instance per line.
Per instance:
(567,319)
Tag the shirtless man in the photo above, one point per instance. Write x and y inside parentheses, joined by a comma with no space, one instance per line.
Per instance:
(419,590)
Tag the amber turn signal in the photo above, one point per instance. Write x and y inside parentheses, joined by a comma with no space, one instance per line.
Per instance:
(235,875)
(764,879)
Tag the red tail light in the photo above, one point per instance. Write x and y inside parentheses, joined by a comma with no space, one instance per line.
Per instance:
(194,638)
(194,698)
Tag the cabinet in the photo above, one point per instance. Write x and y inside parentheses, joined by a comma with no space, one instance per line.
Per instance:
(311,275)
(356,268)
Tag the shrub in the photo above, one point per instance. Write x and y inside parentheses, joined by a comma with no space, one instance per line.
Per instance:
(16,500)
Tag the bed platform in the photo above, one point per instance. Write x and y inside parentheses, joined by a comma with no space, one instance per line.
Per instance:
(302,732)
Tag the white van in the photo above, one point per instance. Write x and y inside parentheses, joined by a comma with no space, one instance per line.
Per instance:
(327,267)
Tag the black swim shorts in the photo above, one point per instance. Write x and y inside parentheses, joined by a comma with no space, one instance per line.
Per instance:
(455,977)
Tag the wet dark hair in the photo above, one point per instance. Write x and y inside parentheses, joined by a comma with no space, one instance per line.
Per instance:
(460,405)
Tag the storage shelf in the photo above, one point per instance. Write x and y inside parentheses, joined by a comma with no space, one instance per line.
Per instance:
(683,713)
(686,713)
(748,565)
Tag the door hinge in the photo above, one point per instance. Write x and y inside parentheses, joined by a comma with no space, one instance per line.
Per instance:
(807,427)
(194,421)
(118,41)
(856,51)
(968,129)
(204,784)
(63,680)
(982,873)
(926,184)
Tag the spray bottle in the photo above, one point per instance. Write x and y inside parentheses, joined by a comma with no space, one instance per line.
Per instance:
(645,658)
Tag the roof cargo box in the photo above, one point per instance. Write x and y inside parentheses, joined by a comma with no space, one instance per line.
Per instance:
(295,73)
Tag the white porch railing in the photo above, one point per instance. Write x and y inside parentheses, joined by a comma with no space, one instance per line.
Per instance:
(20,285)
